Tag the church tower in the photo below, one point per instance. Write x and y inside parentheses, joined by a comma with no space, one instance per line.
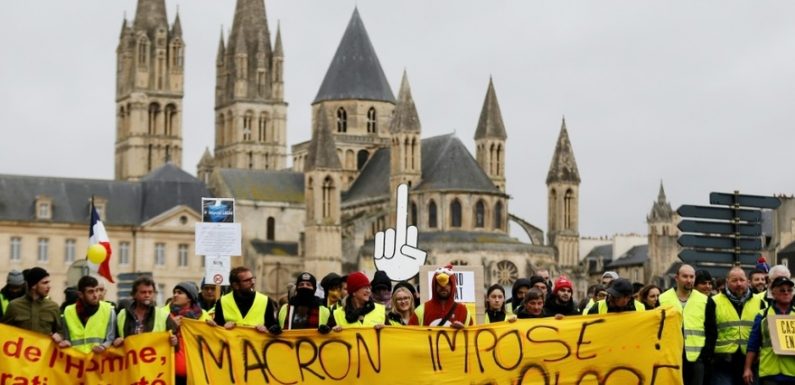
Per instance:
(663,233)
(322,181)
(490,139)
(250,111)
(563,185)
(149,80)
(405,154)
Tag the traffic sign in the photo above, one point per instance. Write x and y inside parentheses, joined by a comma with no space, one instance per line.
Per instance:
(708,242)
(761,202)
(746,229)
(728,214)
(697,257)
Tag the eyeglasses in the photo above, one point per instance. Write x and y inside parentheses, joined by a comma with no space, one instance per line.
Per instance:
(785,289)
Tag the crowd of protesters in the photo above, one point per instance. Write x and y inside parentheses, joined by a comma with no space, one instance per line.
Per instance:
(726,337)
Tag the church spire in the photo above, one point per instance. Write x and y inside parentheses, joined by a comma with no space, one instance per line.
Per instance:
(278,50)
(490,124)
(322,152)
(176,29)
(405,118)
(563,167)
(150,15)
(661,209)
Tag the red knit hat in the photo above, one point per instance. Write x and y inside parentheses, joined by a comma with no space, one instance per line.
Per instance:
(561,282)
(357,281)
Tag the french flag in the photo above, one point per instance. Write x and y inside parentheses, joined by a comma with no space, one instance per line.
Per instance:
(98,235)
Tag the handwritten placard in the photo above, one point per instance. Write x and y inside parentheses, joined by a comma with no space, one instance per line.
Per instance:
(218,239)
(782,334)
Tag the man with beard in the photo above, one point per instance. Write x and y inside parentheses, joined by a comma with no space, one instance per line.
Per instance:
(735,310)
(90,322)
(518,291)
(304,310)
(700,331)
(244,306)
(35,311)
(142,315)
(758,281)
(561,302)
(14,288)
(441,309)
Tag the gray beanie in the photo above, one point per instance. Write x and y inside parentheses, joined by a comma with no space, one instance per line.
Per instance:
(15,278)
(190,289)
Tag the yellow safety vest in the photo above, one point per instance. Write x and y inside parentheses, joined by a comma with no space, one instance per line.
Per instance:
(3,303)
(602,303)
(323,315)
(376,317)
(588,306)
(161,316)
(420,312)
(693,316)
(255,315)
(508,308)
(83,338)
(770,363)
(733,330)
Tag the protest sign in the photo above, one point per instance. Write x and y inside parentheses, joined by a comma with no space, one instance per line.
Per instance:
(627,348)
(218,239)
(782,334)
(32,358)
(218,210)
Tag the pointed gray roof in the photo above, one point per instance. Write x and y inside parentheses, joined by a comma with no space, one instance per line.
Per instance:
(355,72)
(661,209)
(250,22)
(563,167)
(207,158)
(322,152)
(176,29)
(490,124)
(150,15)
(278,50)
(405,117)
(221,48)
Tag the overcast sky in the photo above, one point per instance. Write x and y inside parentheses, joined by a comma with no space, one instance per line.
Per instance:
(697,94)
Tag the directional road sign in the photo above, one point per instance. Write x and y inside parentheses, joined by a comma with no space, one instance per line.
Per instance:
(761,202)
(707,242)
(695,257)
(746,229)
(691,211)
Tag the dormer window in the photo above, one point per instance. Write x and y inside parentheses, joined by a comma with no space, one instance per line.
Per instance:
(43,208)
(101,204)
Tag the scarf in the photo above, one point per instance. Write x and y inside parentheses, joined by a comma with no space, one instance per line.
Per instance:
(738,302)
(354,315)
(193,312)
(85,311)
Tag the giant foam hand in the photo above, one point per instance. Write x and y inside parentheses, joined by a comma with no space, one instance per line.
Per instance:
(395,250)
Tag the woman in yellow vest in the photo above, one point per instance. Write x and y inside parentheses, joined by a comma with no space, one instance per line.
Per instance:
(184,304)
(359,310)
(90,323)
(402,306)
(773,368)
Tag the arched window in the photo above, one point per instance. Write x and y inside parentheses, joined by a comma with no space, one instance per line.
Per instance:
(491,159)
(271,230)
(171,118)
(310,203)
(219,130)
(413,214)
(263,127)
(149,159)
(371,127)
(328,190)
(414,154)
(154,115)
(247,121)
(349,159)
(143,52)
(568,202)
(499,160)
(176,53)
(342,120)
(168,153)
(455,213)
(120,123)
(552,209)
(361,159)
(498,215)
(480,214)
(432,215)
(251,159)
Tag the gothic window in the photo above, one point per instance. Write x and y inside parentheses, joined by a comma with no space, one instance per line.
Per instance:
(143,52)
(406,153)
(480,212)
(371,127)
(161,70)
(168,153)
(498,215)
(413,214)
(149,159)
(251,159)
(568,202)
(120,123)
(552,208)
(267,162)
(310,203)
(455,213)
(349,155)
(361,159)
(432,215)
(247,121)
(342,120)
(491,160)
(271,230)
(171,118)
(154,116)
(219,130)
(499,160)
(413,153)
(261,82)
(242,70)
(176,54)
(328,190)
(263,126)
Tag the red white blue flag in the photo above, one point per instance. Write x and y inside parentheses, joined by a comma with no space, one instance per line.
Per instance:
(98,235)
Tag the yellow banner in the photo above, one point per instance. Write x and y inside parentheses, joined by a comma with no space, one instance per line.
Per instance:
(625,349)
(28,358)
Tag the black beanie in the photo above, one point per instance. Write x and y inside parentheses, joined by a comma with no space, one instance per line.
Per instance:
(34,275)
(306,277)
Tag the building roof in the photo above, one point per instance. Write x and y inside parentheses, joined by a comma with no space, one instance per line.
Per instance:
(490,124)
(264,185)
(563,167)
(637,255)
(604,251)
(128,203)
(405,117)
(355,71)
(150,15)
(322,152)
(446,165)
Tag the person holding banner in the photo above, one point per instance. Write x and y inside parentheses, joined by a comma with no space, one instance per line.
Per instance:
(773,368)
(184,304)
(442,309)
(142,315)
(402,306)
(533,305)
(303,310)
(244,306)
(333,290)
(90,322)
(35,311)
(359,309)
(619,299)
